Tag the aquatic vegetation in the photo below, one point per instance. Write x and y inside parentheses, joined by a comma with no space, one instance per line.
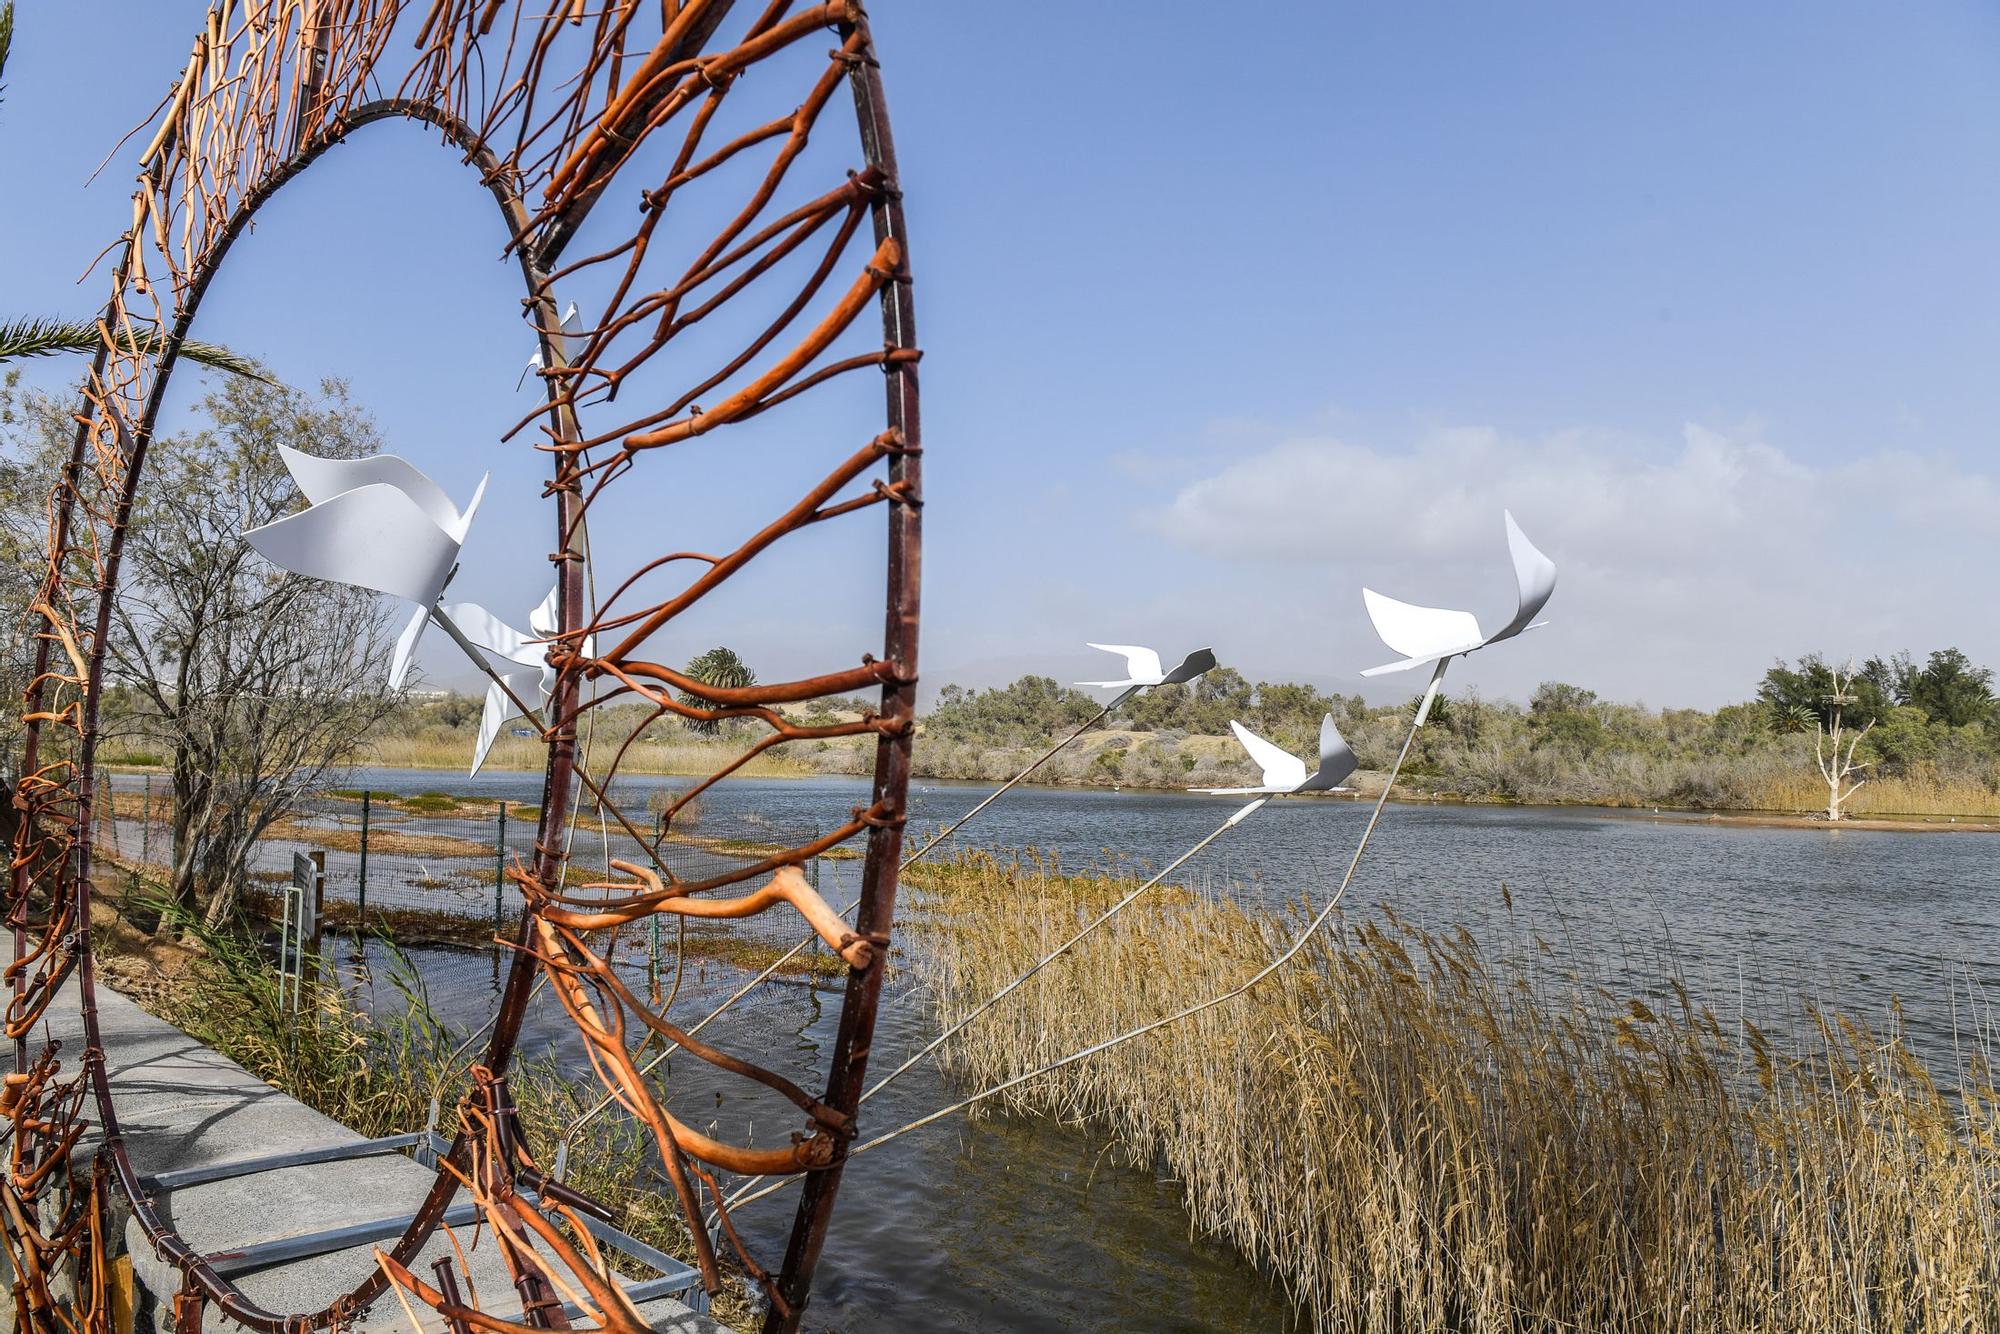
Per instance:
(378,1071)
(1413,1134)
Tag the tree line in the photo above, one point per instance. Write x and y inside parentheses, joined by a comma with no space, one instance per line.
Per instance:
(251,686)
(1935,719)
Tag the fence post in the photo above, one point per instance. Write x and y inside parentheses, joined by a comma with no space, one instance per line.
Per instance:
(499,879)
(319,900)
(819,945)
(653,918)
(361,891)
(110,820)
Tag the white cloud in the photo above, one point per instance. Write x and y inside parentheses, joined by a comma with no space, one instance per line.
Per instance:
(1685,568)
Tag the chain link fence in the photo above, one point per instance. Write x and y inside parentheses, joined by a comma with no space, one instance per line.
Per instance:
(433,868)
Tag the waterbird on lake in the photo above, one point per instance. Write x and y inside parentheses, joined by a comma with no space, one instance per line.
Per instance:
(1143,667)
(1284,772)
(377,523)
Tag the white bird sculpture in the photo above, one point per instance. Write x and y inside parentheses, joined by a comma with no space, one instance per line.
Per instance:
(1143,667)
(376,523)
(1436,634)
(526,674)
(1284,772)
(535,362)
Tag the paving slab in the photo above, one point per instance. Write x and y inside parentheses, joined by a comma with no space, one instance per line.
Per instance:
(184,1105)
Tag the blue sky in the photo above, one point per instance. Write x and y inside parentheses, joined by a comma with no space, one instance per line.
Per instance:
(1222,323)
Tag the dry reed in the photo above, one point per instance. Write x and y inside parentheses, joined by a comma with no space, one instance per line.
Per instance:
(1910,794)
(1414,1137)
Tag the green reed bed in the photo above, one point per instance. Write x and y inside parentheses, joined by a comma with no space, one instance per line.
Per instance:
(1413,1135)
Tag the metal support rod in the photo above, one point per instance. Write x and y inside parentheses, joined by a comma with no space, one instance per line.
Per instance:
(848,1063)
(1235,819)
(361,889)
(1033,765)
(182,1178)
(499,877)
(285,936)
(813,939)
(318,905)
(750,1192)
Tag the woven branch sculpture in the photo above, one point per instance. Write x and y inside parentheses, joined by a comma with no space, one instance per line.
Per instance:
(554,105)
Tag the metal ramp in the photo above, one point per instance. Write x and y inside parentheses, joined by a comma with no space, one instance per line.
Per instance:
(295,1228)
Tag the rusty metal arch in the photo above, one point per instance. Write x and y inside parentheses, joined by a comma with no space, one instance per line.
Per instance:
(271,86)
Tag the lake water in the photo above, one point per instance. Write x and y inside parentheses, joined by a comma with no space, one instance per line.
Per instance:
(1018,1224)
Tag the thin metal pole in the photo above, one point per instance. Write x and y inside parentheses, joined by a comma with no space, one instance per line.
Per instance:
(1064,948)
(318,907)
(534,717)
(1038,762)
(146,825)
(750,1192)
(361,893)
(653,955)
(499,878)
(810,937)
(289,931)
(848,1063)
(1312,929)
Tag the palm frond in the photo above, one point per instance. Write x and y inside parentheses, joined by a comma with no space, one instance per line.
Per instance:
(6,36)
(34,337)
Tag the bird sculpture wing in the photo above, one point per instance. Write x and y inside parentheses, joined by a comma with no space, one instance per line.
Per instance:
(494,635)
(373,537)
(524,682)
(544,619)
(1336,759)
(1193,665)
(545,622)
(406,646)
(1534,581)
(323,479)
(1142,664)
(1420,634)
(1283,771)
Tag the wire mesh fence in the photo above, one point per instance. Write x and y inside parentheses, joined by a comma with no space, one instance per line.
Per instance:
(434,868)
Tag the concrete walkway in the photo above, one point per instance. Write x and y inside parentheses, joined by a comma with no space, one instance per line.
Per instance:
(185,1106)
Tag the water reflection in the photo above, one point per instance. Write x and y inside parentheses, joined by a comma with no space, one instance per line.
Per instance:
(995,1223)
(1002,1224)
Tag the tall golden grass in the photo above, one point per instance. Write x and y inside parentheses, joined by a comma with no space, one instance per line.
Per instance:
(1413,1136)
(1914,794)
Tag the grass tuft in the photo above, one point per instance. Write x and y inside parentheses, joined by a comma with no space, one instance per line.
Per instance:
(1412,1136)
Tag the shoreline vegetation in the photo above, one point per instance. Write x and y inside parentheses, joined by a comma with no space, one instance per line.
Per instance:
(375,1073)
(1406,1128)
(1412,1131)
(1930,743)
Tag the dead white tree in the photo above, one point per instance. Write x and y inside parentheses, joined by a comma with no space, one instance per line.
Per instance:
(1836,760)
